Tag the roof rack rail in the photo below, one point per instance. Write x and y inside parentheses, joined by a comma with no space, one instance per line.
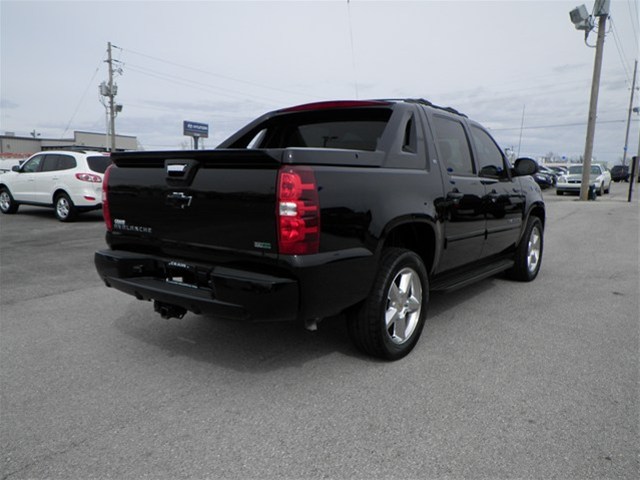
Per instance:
(75,148)
(427,103)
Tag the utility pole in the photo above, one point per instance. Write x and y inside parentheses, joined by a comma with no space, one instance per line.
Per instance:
(626,137)
(593,108)
(109,90)
(112,110)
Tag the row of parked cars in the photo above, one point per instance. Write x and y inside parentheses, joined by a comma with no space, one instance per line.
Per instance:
(569,179)
(70,182)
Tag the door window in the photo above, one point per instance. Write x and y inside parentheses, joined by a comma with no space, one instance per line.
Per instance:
(490,159)
(453,146)
(33,165)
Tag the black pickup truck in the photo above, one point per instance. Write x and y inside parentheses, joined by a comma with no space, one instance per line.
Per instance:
(361,207)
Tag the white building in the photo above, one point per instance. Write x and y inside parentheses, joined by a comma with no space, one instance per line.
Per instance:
(12,146)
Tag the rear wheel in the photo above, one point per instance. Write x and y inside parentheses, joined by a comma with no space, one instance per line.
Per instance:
(7,203)
(528,256)
(64,208)
(389,322)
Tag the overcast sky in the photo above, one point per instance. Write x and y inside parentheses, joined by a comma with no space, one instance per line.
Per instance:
(224,63)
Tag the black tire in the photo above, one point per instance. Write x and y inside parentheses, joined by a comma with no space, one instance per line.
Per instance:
(559,192)
(64,208)
(7,204)
(600,191)
(528,257)
(368,327)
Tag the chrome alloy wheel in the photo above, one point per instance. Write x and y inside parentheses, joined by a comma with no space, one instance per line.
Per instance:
(5,201)
(63,207)
(534,249)
(404,303)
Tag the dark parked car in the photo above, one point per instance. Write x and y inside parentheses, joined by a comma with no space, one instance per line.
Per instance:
(544,179)
(620,173)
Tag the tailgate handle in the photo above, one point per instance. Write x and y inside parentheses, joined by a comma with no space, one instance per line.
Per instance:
(179,200)
(180,172)
(177,169)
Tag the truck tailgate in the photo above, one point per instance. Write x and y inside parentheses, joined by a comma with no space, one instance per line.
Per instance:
(195,200)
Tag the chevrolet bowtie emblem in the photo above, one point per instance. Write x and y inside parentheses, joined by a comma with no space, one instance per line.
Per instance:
(179,200)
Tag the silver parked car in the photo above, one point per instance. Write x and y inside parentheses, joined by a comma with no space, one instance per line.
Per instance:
(599,178)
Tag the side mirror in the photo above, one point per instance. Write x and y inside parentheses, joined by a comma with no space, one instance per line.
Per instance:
(15,168)
(525,166)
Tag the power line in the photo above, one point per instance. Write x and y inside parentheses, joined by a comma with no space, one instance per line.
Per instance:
(84,94)
(631,16)
(621,53)
(353,54)
(173,109)
(226,77)
(198,85)
(560,125)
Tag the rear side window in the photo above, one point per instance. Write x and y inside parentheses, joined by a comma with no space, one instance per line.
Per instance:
(353,129)
(66,162)
(49,164)
(410,141)
(99,163)
(453,146)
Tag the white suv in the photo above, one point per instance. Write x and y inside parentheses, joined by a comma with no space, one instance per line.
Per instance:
(68,181)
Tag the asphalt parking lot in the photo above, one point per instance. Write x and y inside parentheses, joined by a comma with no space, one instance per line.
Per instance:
(509,380)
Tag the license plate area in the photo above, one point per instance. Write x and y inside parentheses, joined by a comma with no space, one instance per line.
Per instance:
(185,275)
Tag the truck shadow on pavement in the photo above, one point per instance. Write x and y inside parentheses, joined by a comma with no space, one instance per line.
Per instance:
(236,345)
(270,346)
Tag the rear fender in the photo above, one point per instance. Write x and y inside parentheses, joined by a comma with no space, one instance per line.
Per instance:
(419,234)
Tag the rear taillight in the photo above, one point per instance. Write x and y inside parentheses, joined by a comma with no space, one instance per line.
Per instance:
(106,212)
(88,177)
(298,211)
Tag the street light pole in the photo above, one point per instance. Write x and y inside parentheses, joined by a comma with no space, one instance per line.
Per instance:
(593,108)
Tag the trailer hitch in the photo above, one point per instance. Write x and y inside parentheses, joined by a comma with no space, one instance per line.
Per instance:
(167,310)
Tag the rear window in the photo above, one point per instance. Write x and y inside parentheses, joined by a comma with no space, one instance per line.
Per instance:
(99,163)
(352,129)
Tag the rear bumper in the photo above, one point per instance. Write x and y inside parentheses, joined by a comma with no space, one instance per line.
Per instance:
(566,187)
(89,196)
(221,291)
